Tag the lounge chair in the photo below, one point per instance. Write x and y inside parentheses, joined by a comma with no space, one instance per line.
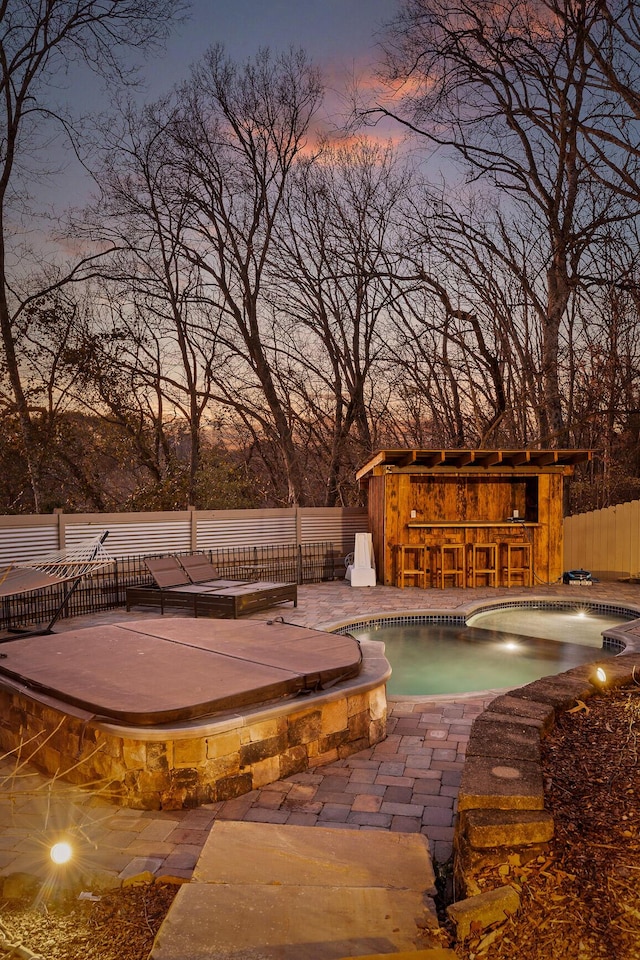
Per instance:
(213,597)
(201,571)
(173,573)
(167,572)
(173,586)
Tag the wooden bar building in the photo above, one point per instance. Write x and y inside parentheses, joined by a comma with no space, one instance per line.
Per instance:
(468,517)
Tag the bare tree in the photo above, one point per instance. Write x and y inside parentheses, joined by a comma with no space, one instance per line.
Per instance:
(171,345)
(612,39)
(336,250)
(37,43)
(236,134)
(505,88)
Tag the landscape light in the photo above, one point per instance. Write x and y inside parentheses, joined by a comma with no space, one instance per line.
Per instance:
(61,852)
(599,678)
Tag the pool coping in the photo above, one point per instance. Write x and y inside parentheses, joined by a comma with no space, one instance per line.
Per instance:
(474,607)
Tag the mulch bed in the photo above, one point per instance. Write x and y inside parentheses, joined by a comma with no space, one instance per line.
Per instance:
(121,925)
(582,900)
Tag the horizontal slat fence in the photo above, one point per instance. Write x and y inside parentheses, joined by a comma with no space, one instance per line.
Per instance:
(248,544)
(137,534)
(231,531)
(134,539)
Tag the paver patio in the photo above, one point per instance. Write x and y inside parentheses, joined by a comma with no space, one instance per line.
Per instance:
(407,783)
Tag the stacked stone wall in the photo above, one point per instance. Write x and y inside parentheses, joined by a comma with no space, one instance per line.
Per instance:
(187,767)
(501,804)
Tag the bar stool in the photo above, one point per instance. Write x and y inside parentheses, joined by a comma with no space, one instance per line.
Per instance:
(484,563)
(518,563)
(413,560)
(450,562)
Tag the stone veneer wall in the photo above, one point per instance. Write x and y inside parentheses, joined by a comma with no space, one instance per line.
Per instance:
(151,769)
(501,800)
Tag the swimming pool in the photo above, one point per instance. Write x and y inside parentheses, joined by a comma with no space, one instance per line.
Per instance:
(493,648)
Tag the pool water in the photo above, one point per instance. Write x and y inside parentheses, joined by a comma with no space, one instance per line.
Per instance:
(511,647)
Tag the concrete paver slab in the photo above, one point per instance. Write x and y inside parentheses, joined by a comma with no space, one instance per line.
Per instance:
(271,892)
(245,922)
(270,853)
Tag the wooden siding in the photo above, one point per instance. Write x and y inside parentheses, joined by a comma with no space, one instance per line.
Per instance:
(377,525)
(548,552)
(468,507)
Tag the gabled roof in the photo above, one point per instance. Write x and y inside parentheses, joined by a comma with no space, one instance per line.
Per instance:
(472,459)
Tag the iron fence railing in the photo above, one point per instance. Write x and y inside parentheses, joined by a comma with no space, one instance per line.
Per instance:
(106,589)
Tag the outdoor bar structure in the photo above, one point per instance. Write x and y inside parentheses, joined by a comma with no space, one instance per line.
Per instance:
(468,517)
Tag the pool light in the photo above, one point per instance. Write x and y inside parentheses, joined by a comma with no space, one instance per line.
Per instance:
(61,852)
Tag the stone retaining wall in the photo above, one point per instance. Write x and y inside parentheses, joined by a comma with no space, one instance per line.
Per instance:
(501,800)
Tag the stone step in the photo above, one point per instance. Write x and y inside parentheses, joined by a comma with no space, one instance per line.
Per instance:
(500,784)
(274,892)
(486,829)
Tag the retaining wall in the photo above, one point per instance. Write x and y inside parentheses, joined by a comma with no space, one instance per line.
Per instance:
(501,805)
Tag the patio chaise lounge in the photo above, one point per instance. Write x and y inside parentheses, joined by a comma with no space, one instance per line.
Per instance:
(199,570)
(191,583)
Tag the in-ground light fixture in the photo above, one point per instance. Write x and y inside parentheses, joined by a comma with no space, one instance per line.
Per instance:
(61,852)
(599,678)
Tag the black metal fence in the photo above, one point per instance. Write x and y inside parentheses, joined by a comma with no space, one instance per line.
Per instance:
(106,589)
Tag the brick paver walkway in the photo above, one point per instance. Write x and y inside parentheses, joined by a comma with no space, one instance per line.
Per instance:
(409,782)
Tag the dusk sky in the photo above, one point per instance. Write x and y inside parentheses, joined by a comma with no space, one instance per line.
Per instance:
(340,36)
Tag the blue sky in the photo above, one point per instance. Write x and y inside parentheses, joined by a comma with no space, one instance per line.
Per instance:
(340,36)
